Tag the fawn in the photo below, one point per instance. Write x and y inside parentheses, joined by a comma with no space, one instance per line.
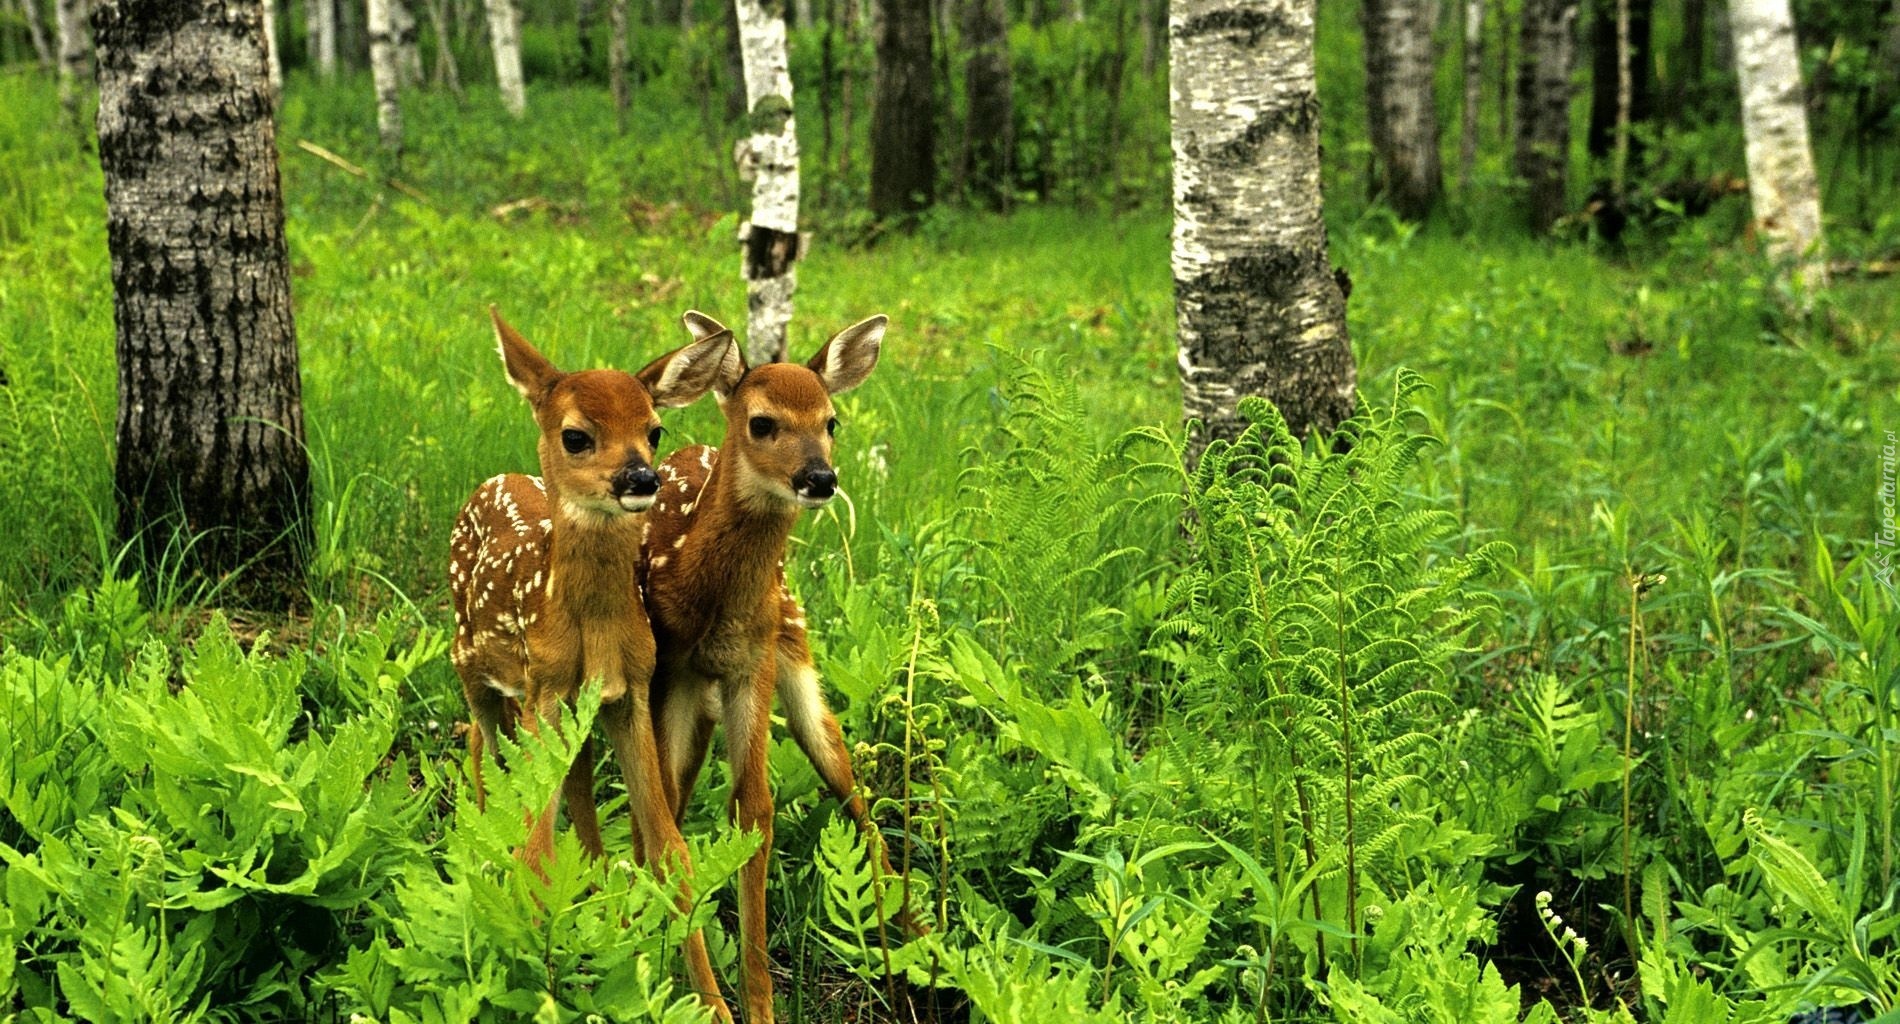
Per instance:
(543,570)
(729,635)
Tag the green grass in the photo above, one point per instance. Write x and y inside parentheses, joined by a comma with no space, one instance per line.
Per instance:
(992,600)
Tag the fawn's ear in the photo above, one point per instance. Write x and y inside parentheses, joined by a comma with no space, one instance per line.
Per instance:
(528,370)
(731,365)
(848,357)
(680,377)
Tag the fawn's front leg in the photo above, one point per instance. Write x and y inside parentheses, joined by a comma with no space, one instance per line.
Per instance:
(748,715)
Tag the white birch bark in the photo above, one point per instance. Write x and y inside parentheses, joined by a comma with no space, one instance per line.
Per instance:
(769,240)
(36,30)
(402,27)
(801,13)
(1401,113)
(504,34)
(1782,186)
(1258,308)
(74,50)
(274,61)
(385,70)
(320,18)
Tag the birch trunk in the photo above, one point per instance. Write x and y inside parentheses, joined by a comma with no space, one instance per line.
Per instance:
(769,241)
(504,34)
(1400,110)
(320,19)
(903,143)
(802,15)
(386,71)
(210,437)
(1781,184)
(272,57)
(402,27)
(1547,51)
(1258,309)
(1474,89)
(617,52)
(70,19)
(989,133)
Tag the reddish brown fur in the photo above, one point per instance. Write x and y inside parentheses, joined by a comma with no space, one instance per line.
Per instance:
(542,575)
(729,637)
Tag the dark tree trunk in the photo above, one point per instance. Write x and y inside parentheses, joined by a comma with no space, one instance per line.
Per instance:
(1258,308)
(735,65)
(1547,51)
(1401,114)
(1603,77)
(989,141)
(903,113)
(1685,83)
(210,423)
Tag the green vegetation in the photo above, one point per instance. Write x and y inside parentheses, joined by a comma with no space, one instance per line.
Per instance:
(1567,693)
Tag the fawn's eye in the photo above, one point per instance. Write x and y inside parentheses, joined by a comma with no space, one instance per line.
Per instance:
(762,426)
(576,441)
(653,437)
(831,426)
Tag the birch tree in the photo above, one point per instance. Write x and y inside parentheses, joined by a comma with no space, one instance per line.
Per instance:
(69,18)
(504,36)
(273,59)
(446,74)
(769,155)
(36,31)
(1782,187)
(320,27)
(402,30)
(1258,309)
(386,72)
(617,52)
(1401,114)
(1547,52)
(1474,88)
(210,436)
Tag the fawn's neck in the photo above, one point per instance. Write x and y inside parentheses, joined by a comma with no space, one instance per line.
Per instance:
(741,547)
(593,560)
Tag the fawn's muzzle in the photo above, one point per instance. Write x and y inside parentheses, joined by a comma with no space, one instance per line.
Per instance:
(815,484)
(635,485)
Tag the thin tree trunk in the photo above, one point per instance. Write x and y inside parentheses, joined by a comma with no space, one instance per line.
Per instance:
(770,239)
(1150,44)
(36,30)
(1474,88)
(585,14)
(617,48)
(1781,183)
(1258,308)
(74,63)
(1543,101)
(735,65)
(322,22)
(802,15)
(446,72)
(989,143)
(210,435)
(504,35)
(402,25)
(1620,143)
(1620,88)
(1685,89)
(385,70)
(686,15)
(847,96)
(903,113)
(271,53)
(1402,116)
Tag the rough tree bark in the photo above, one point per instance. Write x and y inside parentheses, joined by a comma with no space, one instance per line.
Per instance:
(1781,184)
(504,35)
(70,18)
(617,52)
(1474,89)
(1401,114)
(1547,51)
(210,425)
(769,155)
(989,134)
(1258,307)
(903,143)
(385,70)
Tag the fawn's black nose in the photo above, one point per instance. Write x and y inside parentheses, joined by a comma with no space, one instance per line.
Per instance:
(817,482)
(636,480)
